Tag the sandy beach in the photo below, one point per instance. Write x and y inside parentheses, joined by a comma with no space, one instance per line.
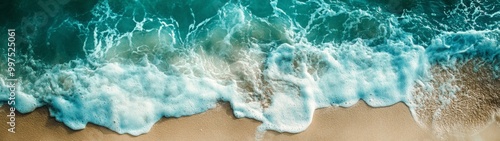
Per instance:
(359,122)
(356,123)
(459,121)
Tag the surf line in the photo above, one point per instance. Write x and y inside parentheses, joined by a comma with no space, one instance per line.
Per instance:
(12,80)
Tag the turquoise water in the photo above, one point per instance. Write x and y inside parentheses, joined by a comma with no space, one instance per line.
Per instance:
(125,64)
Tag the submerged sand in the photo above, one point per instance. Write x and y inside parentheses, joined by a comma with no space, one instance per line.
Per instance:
(464,100)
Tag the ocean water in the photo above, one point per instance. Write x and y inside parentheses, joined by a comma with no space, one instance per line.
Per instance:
(126,64)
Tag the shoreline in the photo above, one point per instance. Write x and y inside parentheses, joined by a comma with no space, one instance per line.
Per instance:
(356,123)
(359,122)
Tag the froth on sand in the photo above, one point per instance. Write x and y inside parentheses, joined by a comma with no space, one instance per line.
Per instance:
(457,120)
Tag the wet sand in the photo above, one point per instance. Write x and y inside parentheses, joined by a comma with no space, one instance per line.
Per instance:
(464,101)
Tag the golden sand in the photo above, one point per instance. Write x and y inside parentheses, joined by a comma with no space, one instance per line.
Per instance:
(359,122)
